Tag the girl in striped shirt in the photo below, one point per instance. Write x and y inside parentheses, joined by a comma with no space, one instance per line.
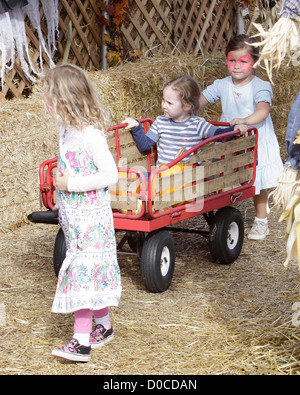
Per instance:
(179,126)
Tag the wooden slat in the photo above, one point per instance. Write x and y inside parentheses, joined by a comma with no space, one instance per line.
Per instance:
(224,149)
(227,165)
(206,22)
(164,15)
(125,184)
(198,36)
(118,204)
(123,193)
(187,22)
(187,176)
(131,153)
(203,189)
(93,31)
(214,31)
(78,29)
(150,22)
(193,36)
(225,24)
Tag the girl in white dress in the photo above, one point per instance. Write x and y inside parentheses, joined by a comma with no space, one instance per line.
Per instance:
(246,100)
(89,280)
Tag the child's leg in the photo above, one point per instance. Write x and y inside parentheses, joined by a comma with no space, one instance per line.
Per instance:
(83,326)
(78,349)
(261,204)
(103,331)
(102,317)
(260,228)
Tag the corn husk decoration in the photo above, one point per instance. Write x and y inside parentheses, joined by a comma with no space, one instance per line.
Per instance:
(286,196)
(292,214)
(282,39)
(288,181)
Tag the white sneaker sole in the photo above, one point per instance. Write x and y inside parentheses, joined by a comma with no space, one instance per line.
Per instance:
(102,343)
(70,356)
(258,237)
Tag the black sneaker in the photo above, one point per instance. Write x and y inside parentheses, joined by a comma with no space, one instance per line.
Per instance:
(73,351)
(101,336)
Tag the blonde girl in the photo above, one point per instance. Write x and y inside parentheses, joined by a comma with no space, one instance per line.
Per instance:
(89,280)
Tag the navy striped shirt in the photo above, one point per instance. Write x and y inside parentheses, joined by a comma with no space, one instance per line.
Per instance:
(172,136)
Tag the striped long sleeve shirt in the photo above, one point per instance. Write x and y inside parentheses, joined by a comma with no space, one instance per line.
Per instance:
(172,136)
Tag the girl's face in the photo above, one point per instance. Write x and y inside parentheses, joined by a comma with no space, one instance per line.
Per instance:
(240,64)
(173,107)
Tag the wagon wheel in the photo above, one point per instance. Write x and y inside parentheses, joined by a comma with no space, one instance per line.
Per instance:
(226,235)
(59,252)
(158,261)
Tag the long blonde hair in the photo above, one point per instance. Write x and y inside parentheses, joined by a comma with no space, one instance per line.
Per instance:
(73,97)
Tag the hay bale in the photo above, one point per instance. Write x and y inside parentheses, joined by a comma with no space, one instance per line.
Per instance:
(28,136)
(135,89)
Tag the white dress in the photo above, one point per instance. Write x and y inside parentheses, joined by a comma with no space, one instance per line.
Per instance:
(240,102)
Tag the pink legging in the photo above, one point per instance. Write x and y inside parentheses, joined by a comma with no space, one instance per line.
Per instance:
(84,319)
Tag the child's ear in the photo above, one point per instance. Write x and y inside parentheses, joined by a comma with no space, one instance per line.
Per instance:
(187,107)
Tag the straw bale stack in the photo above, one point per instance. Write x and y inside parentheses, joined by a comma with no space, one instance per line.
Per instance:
(135,89)
(28,136)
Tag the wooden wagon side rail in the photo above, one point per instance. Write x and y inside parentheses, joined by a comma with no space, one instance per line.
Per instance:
(222,168)
(215,169)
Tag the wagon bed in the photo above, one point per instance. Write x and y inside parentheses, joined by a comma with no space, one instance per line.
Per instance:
(148,201)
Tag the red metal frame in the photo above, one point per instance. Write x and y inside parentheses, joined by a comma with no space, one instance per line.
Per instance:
(148,220)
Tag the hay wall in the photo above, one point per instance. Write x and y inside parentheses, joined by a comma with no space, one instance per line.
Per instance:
(28,136)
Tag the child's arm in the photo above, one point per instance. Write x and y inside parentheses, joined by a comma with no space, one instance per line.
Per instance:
(261,113)
(203,101)
(143,142)
(241,128)
(106,173)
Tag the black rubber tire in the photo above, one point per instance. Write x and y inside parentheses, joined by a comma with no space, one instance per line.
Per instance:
(136,240)
(158,261)
(226,236)
(59,252)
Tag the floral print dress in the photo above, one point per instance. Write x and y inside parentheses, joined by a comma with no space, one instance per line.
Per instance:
(90,276)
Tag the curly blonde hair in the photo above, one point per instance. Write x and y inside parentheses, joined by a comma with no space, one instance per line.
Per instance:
(73,97)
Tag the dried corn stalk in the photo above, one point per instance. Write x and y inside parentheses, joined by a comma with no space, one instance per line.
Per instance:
(288,181)
(282,39)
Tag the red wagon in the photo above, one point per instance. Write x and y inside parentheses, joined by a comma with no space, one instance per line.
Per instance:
(148,201)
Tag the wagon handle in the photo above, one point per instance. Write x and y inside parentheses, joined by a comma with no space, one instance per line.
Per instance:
(235,196)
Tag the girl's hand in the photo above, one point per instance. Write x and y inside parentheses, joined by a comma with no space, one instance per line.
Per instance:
(237,121)
(242,128)
(62,181)
(261,113)
(131,123)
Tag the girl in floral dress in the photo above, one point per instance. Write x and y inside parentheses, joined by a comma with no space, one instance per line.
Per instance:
(89,280)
